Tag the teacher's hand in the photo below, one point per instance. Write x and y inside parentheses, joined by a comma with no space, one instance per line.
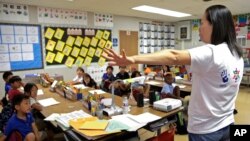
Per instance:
(116,59)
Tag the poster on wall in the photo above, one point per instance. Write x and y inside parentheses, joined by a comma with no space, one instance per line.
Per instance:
(61,16)
(70,46)
(20,47)
(14,12)
(103,20)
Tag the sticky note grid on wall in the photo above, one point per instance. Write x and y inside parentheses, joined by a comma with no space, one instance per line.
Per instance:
(75,46)
(20,47)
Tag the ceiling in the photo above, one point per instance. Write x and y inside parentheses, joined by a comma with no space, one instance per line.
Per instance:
(123,7)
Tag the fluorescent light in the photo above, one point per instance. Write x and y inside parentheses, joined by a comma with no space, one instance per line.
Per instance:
(161,11)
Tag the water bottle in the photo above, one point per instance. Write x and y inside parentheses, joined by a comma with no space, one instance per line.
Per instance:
(125,105)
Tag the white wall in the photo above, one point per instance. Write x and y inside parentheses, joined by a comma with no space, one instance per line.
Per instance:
(120,23)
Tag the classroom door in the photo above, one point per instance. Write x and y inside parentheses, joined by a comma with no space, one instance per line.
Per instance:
(129,42)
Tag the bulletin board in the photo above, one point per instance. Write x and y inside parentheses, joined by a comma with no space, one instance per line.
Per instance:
(20,47)
(75,46)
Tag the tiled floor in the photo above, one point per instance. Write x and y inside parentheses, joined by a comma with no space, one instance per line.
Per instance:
(243,116)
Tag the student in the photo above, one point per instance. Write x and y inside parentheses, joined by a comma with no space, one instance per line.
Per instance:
(79,76)
(168,90)
(31,89)
(215,77)
(22,120)
(6,76)
(135,74)
(164,71)
(16,83)
(88,81)
(122,74)
(107,78)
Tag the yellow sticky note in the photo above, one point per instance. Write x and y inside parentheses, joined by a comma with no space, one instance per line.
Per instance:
(49,33)
(98,52)
(59,33)
(87,61)
(60,45)
(101,61)
(101,43)
(99,34)
(106,35)
(84,51)
(59,57)
(75,52)
(50,45)
(86,41)
(70,41)
(108,45)
(67,50)
(91,52)
(94,42)
(69,62)
(79,61)
(97,124)
(78,41)
(50,57)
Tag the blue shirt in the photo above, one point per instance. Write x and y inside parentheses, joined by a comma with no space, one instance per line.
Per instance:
(167,89)
(7,88)
(109,77)
(22,126)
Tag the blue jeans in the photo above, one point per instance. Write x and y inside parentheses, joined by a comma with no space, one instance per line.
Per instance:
(220,135)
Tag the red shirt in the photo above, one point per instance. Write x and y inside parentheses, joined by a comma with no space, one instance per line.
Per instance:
(12,93)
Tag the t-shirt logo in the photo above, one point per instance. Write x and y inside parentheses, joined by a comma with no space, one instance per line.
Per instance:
(224,76)
(236,75)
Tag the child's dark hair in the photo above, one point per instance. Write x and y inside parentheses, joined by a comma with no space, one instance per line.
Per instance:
(15,79)
(17,99)
(28,87)
(6,74)
(80,69)
(110,67)
(134,73)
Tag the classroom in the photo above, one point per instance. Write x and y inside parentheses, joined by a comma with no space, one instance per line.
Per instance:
(124,70)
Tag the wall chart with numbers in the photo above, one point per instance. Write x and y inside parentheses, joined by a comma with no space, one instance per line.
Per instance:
(75,46)
(20,47)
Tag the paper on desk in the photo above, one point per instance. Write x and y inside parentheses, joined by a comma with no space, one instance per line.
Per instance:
(40,92)
(153,83)
(97,91)
(48,102)
(107,101)
(178,78)
(181,86)
(133,125)
(80,86)
(52,117)
(116,126)
(144,118)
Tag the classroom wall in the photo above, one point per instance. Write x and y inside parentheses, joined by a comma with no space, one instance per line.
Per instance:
(120,23)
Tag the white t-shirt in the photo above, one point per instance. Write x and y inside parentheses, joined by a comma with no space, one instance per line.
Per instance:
(78,79)
(32,101)
(216,76)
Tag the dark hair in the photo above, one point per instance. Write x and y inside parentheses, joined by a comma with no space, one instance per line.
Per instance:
(28,87)
(15,79)
(223,27)
(6,74)
(133,75)
(80,69)
(17,99)
(110,67)
(91,82)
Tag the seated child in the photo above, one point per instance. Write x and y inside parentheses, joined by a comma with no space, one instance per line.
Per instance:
(88,81)
(31,89)
(79,76)
(16,83)
(121,88)
(122,74)
(6,76)
(22,120)
(107,78)
(168,90)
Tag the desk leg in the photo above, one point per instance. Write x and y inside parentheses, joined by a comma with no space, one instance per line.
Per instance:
(158,131)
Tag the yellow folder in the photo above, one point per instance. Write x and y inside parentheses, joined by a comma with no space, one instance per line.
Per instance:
(94,125)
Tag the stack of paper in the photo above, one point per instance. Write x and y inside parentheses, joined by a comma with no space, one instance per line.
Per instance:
(64,119)
(48,102)
(80,86)
(97,91)
(144,118)
(40,92)
(97,125)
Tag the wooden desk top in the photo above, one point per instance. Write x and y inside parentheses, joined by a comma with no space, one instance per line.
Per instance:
(188,87)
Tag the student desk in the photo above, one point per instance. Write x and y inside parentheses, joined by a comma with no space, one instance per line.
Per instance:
(66,106)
